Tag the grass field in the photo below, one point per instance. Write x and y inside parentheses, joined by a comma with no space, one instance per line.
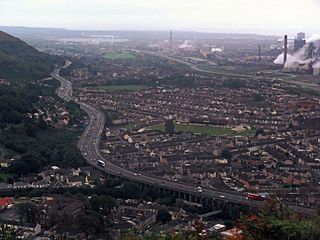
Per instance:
(114,88)
(119,55)
(5,176)
(209,130)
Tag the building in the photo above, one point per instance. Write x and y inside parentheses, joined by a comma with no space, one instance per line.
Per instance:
(299,41)
(22,229)
(4,202)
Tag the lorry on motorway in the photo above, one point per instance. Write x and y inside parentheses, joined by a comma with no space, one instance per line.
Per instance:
(101,163)
(255,197)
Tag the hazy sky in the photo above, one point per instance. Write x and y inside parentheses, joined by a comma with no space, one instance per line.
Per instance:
(263,16)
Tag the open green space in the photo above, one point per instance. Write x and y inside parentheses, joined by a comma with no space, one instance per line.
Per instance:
(114,88)
(119,55)
(5,176)
(209,130)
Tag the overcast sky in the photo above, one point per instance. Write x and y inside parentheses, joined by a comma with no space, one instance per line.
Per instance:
(261,16)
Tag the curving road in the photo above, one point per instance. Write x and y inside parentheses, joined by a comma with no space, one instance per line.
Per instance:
(89,146)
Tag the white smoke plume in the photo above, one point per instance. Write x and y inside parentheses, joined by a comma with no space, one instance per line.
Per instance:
(303,56)
(314,37)
(291,59)
(186,44)
(215,49)
(316,65)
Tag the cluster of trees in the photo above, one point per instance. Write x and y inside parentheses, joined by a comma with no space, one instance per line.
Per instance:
(169,127)
(15,102)
(164,236)
(21,61)
(36,143)
(234,83)
(276,221)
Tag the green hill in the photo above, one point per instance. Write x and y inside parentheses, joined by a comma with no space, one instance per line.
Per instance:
(18,60)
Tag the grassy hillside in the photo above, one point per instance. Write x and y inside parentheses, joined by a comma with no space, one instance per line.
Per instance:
(18,60)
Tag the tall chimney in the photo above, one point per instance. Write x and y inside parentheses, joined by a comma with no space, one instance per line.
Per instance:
(170,41)
(285,47)
(259,54)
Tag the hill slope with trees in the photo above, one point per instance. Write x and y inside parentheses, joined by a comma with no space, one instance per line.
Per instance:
(18,60)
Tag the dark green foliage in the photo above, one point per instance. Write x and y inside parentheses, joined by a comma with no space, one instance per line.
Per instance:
(21,61)
(259,131)
(169,127)
(7,233)
(233,83)
(28,212)
(132,190)
(164,216)
(37,143)
(226,154)
(28,163)
(258,97)
(102,204)
(276,221)
(90,225)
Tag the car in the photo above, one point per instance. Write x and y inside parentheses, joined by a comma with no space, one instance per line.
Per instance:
(199,189)
(222,196)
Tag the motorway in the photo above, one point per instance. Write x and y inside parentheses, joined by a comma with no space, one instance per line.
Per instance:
(89,146)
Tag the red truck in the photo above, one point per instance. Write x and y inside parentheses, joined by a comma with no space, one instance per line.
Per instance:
(254,196)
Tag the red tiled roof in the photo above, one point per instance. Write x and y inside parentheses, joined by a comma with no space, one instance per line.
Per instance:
(5,200)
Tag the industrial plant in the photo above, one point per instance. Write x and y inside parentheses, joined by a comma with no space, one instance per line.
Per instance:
(302,56)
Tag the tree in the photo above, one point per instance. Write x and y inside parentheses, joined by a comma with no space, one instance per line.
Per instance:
(28,211)
(258,97)
(102,204)
(259,131)
(169,126)
(276,221)
(31,131)
(164,216)
(131,190)
(92,226)
(226,154)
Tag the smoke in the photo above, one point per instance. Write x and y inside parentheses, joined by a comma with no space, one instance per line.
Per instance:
(215,49)
(309,54)
(292,60)
(279,60)
(297,58)
(315,37)
(186,44)
(316,65)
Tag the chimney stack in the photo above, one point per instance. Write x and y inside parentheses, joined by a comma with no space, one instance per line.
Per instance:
(285,47)
(259,54)
(170,41)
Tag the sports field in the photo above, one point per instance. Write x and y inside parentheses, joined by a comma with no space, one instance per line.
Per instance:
(209,130)
(119,55)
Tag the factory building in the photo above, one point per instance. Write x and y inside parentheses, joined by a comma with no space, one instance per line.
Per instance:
(299,41)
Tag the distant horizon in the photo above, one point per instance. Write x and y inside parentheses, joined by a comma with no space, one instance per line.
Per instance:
(264,17)
(277,33)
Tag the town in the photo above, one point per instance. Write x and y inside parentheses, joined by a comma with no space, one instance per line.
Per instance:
(135,135)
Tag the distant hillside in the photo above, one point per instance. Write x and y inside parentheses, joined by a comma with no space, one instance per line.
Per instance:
(18,60)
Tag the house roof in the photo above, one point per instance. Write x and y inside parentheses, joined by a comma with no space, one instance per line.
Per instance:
(5,200)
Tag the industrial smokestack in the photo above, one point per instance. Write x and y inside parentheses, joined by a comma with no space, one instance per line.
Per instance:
(285,47)
(170,41)
(259,54)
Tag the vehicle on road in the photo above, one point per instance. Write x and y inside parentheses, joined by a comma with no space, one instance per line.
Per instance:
(255,197)
(101,163)
(199,189)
